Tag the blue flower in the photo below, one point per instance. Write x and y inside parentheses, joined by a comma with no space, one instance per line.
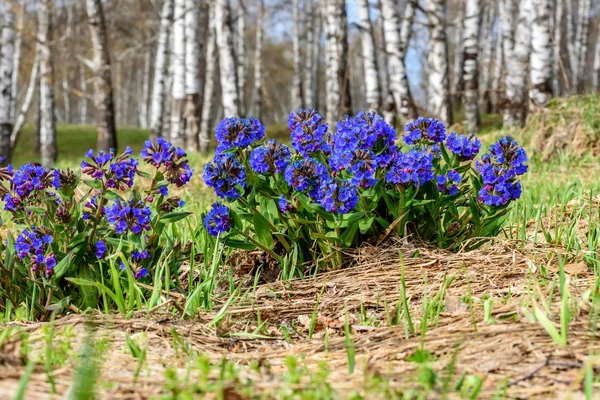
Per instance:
(507,152)
(424,131)
(32,244)
(360,164)
(338,196)
(465,147)
(140,255)
(227,176)
(284,205)
(238,133)
(100,249)
(306,176)
(365,131)
(168,159)
(449,183)
(217,220)
(129,216)
(117,173)
(269,158)
(308,132)
(27,182)
(414,167)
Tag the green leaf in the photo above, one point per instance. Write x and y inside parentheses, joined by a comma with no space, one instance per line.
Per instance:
(240,244)
(144,174)
(64,265)
(110,195)
(174,217)
(347,236)
(93,183)
(365,224)
(262,230)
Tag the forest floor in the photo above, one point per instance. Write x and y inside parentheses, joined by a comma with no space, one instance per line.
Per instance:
(517,318)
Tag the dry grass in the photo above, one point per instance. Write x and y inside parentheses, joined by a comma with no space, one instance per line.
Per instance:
(512,350)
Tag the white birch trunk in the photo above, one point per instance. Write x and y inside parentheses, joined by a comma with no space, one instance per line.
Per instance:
(498,63)
(309,59)
(7,52)
(192,75)
(389,111)
(161,68)
(572,44)
(297,89)
(485,49)
(457,84)
(541,55)
(103,88)
(211,69)
(48,150)
(396,44)
(31,89)
(144,98)
(66,53)
(17,59)
(471,66)
(556,65)
(240,53)
(517,69)
(258,61)
(437,61)
(229,83)
(177,135)
(317,51)
(507,20)
(333,60)
(372,85)
(83,99)
(581,43)
(596,69)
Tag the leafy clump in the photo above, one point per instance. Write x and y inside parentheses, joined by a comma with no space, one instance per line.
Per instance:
(338,190)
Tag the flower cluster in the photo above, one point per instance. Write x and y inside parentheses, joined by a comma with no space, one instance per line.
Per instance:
(238,133)
(116,173)
(27,182)
(131,216)
(423,131)
(284,205)
(270,158)
(412,168)
(465,147)
(308,132)
(169,160)
(227,176)
(499,168)
(338,196)
(217,220)
(306,176)
(34,244)
(449,183)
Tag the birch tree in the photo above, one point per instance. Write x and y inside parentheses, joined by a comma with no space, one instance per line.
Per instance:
(372,84)
(297,85)
(145,94)
(48,151)
(7,38)
(471,66)
(396,43)
(581,43)
(258,61)
(596,67)
(437,61)
(229,85)
(541,55)
(192,77)
(161,68)
(517,64)
(211,69)
(31,89)
(177,135)
(485,61)
(308,64)
(240,53)
(103,87)
(556,67)
(17,57)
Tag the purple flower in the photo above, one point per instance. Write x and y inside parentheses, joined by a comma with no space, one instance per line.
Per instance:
(465,147)
(238,133)
(227,176)
(217,220)
(338,196)
(100,249)
(117,173)
(27,184)
(306,176)
(309,132)
(449,183)
(361,165)
(140,255)
(129,216)
(284,205)
(31,245)
(366,131)
(269,158)
(424,131)
(168,159)
(414,167)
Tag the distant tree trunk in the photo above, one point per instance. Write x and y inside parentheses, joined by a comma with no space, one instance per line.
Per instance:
(177,135)
(258,60)
(556,67)
(581,43)
(192,75)
(335,16)
(596,72)
(229,82)
(437,61)
(240,53)
(48,150)
(471,66)
(541,55)
(344,73)
(459,58)
(7,54)
(396,44)
(211,69)
(498,64)
(144,98)
(31,89)
(316,50)
(372,85)
(83,99)
(297,89)
(161,69)
(515,110)
(17,58)
(308,64)
(103,89)
(507,16)
(65,50)
(572,44)
(485,49)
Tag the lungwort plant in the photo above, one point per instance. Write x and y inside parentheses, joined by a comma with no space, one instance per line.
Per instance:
(335,190)
(84,242)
